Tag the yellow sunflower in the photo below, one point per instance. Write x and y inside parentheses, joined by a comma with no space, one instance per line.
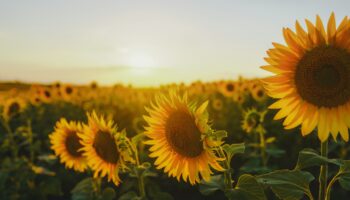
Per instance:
(67,91)
(176,130)
(228,88)
(13,106)
(312,78)
(101,149)
(252,119)
(66,144)
(46,94)
(217,104)
(258,93)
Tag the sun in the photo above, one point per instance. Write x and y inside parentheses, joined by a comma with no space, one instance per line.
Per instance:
(141,60)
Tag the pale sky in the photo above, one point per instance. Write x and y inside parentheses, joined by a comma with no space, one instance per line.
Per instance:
(146,42)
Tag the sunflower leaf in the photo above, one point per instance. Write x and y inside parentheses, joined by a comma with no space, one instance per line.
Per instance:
(216,183)
(129,196)
(83,190)
(233,149)
(310,158)
(344,174)
(108,194)
(138,138)
(288,184)
(247,188)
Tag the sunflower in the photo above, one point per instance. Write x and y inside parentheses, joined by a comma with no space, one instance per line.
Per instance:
(239,97)
(35,99)
(100,147)
(176,130)
(251,120)
(312,78)
(258,93)
(138,124)
(66,144)
(67,91)
(46,94)
(13,106)
(228,88)
(217,104)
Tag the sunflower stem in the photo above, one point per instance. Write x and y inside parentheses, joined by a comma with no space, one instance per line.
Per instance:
(323,173)
(30,138)
(141,185)
(227,166)
(8,129)
(140,179)
(263,148)
(329,187)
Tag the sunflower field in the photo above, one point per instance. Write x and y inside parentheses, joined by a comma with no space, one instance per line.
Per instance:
(280,137)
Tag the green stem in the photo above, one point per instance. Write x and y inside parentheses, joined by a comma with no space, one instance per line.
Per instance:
(140,179)
(141,185)
(329,187)
(323,173)
(13,144)
(97,186)
(227,173)
(30,135)
(263,148)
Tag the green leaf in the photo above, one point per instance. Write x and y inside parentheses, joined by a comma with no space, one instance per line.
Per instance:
(216,183)
(309,158)
(138,138)
(220,134)
(288,184)
(233,149)
(108,194)
(344,174)
(275,152)
(129,196)
(344,181)
(83,190)
(247,188)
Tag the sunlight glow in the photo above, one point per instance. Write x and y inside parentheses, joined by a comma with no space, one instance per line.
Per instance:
(141,61)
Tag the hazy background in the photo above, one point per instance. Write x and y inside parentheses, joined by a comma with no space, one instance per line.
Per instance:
(145,42)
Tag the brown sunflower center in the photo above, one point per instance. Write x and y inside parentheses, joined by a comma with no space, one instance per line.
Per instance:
(69,90)
(14,108)
(47,94)
(106,147)
(73,145)
(322,76)
(230,87)
(253,120)
(183,134)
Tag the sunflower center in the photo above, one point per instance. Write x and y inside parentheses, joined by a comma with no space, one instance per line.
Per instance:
(73,145)
(47,94)
(230,87)
(322,76)
(260,93)
(14,108)
(253,120)
(69,90)
(105,147)
(183,134)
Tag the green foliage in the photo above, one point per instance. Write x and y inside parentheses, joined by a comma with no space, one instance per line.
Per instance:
(216,183)
(247,188)
(83,190)
(233,149)
(288,184)
(108,194)
(309,158)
